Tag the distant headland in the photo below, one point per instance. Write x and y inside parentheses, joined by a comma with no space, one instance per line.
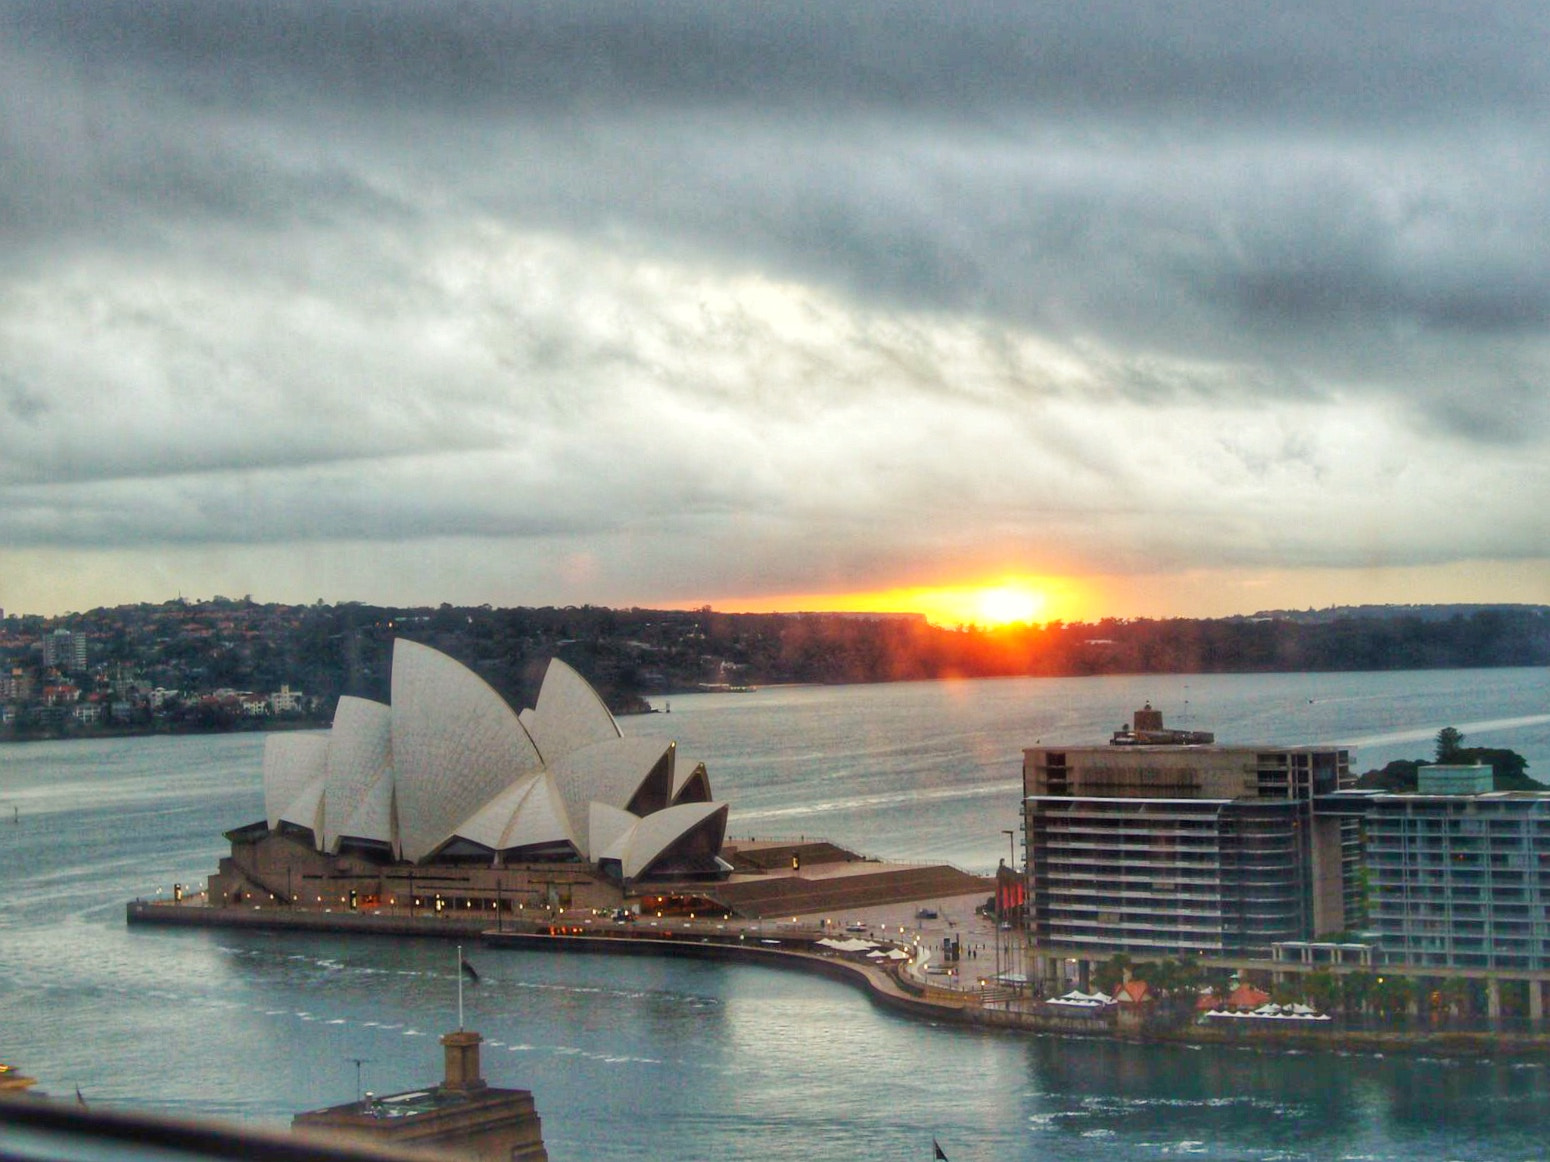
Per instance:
(232,664)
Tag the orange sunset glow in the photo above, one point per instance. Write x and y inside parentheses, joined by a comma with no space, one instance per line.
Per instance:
(990,604)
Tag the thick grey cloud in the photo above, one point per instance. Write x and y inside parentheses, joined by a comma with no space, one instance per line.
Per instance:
(1372,60)
(767,298)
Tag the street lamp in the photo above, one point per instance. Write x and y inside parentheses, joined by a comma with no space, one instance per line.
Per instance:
(1011,848)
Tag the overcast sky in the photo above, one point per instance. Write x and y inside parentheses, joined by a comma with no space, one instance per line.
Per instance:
(1226,306)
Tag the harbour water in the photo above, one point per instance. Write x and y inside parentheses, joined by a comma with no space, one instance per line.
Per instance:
(642,1059)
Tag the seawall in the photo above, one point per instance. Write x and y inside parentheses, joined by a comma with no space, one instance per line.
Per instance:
(365,923)
(881,987)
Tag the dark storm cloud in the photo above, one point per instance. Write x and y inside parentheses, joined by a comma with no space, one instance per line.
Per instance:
(797,285)
(1378,62)
(1182,176)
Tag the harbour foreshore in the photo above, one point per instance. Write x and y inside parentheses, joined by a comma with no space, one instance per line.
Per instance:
(794,947)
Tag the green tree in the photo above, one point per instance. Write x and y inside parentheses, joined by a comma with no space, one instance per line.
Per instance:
(1453,996)
(1185,977)
(1356,989)
(1391,995)
(1449,743)
(1289,991)
(1109,975)
(1397,775)
(1321,989)
(1509,769)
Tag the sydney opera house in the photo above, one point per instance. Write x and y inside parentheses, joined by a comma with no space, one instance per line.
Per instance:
(448,799)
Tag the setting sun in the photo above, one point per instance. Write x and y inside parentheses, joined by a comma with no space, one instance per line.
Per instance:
(1009,601)
(1008,605)
(994,603)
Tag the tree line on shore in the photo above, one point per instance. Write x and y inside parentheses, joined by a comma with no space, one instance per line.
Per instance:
(329,650)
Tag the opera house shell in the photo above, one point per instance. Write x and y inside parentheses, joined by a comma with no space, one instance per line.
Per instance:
(448,773)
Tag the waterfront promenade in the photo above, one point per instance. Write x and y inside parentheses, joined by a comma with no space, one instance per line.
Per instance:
(921,987)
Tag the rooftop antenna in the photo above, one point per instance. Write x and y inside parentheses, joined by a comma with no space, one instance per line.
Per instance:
(359,1061)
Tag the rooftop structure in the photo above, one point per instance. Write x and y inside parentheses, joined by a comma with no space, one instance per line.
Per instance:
(1146,729)
(463,1116)
(1455,779)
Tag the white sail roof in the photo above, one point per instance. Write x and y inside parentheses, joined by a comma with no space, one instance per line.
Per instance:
(611,772)
(528,813)
(292,762)
(654,834)
(359,759)
(306,810)
(609,830)
(449,759)
(373,818)
(569,714)
(456,745)
(691,783)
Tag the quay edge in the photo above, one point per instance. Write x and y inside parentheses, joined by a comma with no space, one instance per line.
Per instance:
(882,988)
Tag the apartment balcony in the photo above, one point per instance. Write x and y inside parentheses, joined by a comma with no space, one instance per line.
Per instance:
(1263,873)
(1073,910)
(1150,869)
(1100,837)
(1158,935)
(1099,894)
(1202,905)
(1521,942)
(1068,849)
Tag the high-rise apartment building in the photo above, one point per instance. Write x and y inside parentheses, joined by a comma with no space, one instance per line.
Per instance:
(1461,881)
(64,650)
(1162,843)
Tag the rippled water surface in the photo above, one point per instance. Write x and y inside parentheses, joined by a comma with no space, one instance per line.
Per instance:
(641,1059)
